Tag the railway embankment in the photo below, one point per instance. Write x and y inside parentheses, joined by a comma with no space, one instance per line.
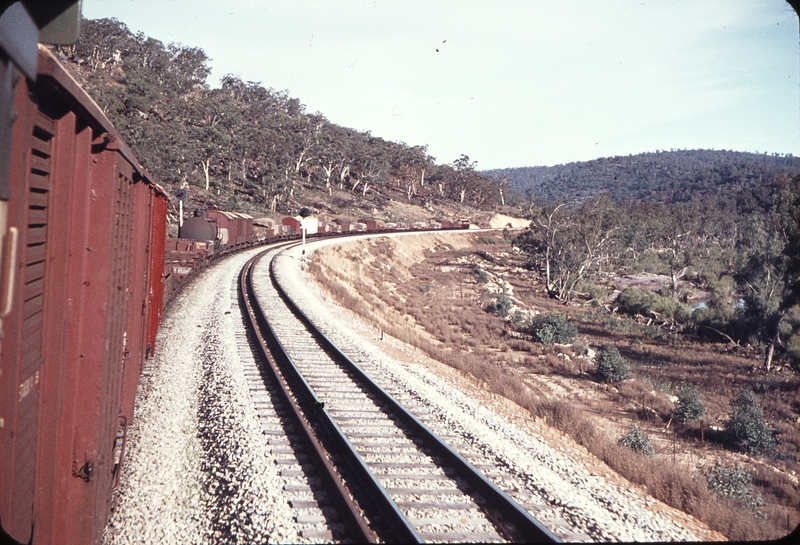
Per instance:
(200,467)
(546,471)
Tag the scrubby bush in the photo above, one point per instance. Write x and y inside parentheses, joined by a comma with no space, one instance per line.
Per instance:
(551,328)
(793,350)
(594,291)
(637,441)
(746,430)
(500,305)
(519,319)
(580,348)
(611,366)
(635,301)
(672,310)
(480,275)
(656,384)
(689,405)
(735,484)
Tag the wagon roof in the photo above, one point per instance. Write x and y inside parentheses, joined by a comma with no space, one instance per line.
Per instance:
(50,69)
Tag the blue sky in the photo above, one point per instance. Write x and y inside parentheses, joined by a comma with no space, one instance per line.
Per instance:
(510,82)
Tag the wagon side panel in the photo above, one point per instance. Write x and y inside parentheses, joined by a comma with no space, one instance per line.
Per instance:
(158,240)
(71,147)
(21,356)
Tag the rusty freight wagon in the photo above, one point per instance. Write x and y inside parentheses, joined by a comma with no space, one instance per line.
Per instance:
(82,287)
(235,229)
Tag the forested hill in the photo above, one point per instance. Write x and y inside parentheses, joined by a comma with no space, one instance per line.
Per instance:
(248,147)
(663,176)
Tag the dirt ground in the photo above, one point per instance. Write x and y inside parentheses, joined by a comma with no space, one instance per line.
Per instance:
(423,290)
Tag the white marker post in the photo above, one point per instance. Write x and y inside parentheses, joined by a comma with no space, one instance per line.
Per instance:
(303,229)
(180,194)
(304,213)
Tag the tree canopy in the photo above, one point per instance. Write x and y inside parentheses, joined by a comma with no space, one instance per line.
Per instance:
(662,176)
(245,142)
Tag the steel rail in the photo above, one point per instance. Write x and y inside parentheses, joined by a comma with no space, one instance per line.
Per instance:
(392,518)
(507,514)
(354,522)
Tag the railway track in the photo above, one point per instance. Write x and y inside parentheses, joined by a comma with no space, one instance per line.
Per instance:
(367,468)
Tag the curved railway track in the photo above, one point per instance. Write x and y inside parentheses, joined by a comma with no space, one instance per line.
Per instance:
(368,468)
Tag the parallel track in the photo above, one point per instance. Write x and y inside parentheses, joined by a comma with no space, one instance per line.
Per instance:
(392,478)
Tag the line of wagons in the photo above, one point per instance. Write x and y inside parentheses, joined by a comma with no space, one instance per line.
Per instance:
(210,233)
(85,269)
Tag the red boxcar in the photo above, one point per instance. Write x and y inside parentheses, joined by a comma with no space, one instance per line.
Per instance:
(345,225)
(83,279)
(235,229)
(292,223)
(371,225)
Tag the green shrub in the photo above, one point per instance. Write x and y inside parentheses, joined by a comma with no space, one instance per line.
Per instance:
(671,309)
(595,292)
(793,348)
(735,484)
(746,430)
(519,319)
(500,305)
(637,441)
(611,366)
(657,385)
(580,348)
(552,328)
(234,203)
(635,301)
(689,405)
(480,275)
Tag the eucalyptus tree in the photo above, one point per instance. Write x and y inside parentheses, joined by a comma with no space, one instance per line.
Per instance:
(214,125)
(766,258)
(464,172)
(678,239)
(565,243)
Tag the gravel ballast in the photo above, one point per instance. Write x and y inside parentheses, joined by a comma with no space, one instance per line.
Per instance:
(199,468)
(576,502)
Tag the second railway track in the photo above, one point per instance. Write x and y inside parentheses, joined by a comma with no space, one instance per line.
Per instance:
(395,480)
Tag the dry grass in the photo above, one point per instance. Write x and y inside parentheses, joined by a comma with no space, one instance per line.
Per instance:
(436,305)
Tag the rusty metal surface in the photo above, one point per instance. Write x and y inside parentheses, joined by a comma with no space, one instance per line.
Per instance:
(198,228)
(22,330)
(87,299)
(155,279)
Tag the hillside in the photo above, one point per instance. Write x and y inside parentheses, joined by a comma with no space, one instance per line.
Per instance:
(442,296)
(663,176)
(250,148)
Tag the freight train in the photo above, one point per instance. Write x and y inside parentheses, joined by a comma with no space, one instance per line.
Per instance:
(85,268)
(209,234)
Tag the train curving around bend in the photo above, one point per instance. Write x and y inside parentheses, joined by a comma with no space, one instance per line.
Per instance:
(85,269)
